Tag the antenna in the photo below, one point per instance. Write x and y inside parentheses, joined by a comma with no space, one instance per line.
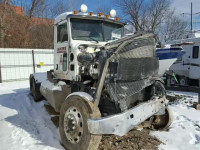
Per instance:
(191,15)
(72,5)
(191,18)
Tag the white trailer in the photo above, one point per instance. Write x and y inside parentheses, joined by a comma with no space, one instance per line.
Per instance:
(187,68)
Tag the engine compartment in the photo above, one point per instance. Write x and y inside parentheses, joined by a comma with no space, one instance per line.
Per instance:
(131,77)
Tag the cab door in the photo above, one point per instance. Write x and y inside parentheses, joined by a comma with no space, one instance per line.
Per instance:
(61,49)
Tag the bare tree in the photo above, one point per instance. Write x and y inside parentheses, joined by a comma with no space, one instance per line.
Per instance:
(61,6)
(173,27)
(25,31)
(7,2)
(58,7)
(42,10)
(3,12)
(34,5)
(144,15)
(11,26)
(31,9)
(134,9)
(2,26)
(104,9)
(42,36)
(157,9)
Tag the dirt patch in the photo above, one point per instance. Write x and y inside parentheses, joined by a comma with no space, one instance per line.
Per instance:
(134,140)
(173,98)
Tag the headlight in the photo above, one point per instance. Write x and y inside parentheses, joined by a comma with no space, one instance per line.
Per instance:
(90,50)
(85,58)
(82,48)
(86,49)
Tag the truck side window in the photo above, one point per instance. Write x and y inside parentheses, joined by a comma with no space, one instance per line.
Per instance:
(195,53)
(65,62)
(62,35)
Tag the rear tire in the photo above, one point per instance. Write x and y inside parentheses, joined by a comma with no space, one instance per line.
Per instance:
(34,91)
(73,126)
(183,81)
(172,81)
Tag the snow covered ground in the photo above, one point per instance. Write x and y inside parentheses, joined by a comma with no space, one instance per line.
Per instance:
(184,133)
(26,125)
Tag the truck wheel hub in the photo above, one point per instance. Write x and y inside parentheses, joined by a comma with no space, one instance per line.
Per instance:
(73,125)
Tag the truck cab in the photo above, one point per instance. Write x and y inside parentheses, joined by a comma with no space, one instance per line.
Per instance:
(75,32)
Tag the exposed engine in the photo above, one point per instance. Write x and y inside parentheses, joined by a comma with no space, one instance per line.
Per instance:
(131,76)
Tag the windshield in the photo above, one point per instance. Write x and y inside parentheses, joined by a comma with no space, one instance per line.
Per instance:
(95,30)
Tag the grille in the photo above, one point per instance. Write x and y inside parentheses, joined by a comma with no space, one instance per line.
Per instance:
(120,91)
(137,68)
(135,64)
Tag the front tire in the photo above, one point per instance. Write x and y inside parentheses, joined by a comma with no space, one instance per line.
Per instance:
(73,126)
(163,122)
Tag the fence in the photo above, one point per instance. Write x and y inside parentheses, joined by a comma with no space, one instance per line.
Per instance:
(18,64)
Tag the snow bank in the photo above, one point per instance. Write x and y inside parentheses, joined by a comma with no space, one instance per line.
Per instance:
(184,133)
(40,77)
(24,124)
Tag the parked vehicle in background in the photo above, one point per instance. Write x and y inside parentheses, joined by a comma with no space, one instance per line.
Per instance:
(167,56)
(187,69)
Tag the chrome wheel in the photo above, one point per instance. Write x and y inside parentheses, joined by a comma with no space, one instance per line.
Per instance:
(73,125)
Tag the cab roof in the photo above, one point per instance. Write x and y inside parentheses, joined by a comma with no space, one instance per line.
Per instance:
(66,15)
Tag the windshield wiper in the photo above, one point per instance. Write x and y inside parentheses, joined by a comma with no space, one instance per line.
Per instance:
(89,38)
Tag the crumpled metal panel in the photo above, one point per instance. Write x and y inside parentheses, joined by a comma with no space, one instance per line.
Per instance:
(139,52)
(136,47)
(140,47)
(120,124)
(137,64)
(121,90)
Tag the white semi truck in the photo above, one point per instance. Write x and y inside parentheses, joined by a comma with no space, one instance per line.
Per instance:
(103,82)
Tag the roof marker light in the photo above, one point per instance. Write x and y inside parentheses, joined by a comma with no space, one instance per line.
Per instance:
(75,12)
(113,13)
(91,13)
(84,8)
(100,14)
(117,18)
(107,16)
